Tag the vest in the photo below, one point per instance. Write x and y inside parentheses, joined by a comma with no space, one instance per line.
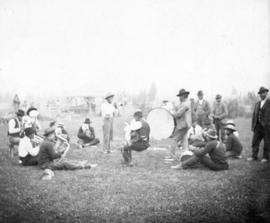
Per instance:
(17,125)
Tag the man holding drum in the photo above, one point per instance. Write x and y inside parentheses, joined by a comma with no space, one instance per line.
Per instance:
(183,123)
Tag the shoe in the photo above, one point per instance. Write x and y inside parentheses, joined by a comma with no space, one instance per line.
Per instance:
(169,159)
(251,159)
(177,167)
(264,160)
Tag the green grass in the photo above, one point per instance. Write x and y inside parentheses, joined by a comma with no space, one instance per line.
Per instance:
(148,192)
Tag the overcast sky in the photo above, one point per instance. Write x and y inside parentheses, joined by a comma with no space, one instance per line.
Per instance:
(92,47)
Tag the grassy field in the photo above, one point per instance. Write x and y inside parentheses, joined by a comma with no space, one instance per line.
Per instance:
(148,192)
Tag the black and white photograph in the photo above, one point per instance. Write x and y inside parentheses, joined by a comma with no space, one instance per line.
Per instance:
(146,111)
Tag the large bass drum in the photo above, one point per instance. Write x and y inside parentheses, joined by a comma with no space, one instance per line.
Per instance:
(161,122)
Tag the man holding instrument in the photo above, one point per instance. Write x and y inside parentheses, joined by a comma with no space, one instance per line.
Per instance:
(139,137)
(183,123)
(48,158)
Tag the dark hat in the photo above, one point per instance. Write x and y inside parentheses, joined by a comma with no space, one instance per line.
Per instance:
(218,96)
(87,121)
(182,92)
(49,131)
(262,90)
(211,133)
(200,92)
(31,109)
(109,95)
(138,113)
(20,112)
(29,131)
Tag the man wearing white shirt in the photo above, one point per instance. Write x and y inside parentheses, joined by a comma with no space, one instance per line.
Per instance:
(107,112)
(28,153)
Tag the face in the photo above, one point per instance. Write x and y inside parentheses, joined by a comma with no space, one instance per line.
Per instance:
(227,131)
(200,97)
(109,100)
(194,124)
(20,118)
(263,95)
(51,136)
(137,118)
(218,100)
(31,136)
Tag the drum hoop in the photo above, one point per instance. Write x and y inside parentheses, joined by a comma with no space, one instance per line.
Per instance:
(174,120)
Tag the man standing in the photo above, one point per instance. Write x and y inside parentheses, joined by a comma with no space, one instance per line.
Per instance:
(15,131)
(183,123)
(219,114)
(107,113)
(261,126)
(201,109)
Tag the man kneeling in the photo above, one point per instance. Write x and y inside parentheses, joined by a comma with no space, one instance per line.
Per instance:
(139,137)
(212,155)
(48,158)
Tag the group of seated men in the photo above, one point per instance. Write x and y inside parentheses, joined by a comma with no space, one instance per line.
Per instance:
(48,150)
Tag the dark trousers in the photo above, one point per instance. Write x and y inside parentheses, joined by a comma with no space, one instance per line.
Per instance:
(63,164)
(206,161)
(29,160)
(137,146)
(89,141)
(220,130)
(261,133)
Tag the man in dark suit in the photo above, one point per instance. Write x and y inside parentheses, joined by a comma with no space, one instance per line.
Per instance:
(261,126)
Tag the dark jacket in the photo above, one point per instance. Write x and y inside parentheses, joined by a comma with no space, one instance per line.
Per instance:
(47,152)
(233,144)
(265,115)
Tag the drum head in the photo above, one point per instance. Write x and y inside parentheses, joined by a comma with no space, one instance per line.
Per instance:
(161,123)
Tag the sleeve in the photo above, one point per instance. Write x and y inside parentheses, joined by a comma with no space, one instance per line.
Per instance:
(181,111)
(52,152)
(80,133)
(11,127)
(225,112)
(205,150)
(229,143)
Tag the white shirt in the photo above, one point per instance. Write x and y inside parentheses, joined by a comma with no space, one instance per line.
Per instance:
(200,102)
(107,110)
(195,132)
(26,147)
(262,102)
(11,126)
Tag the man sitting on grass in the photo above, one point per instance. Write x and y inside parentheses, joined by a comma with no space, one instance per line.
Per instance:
(28,154)
(86,134)
(217,157)
(48,158)
(233,144)
(139,137)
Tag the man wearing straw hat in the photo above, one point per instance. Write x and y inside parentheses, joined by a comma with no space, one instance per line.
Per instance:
(261,126)
(233,144)
(107,113)
(212,155)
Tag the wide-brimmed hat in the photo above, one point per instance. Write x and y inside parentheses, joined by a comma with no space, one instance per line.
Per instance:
(200,93)
(218,96)
(29,131)
(109,95)
(230,127)
(262,90)
(182,92)
(49,131)
(20,113)
(211,133)
(230,122)
(87,121)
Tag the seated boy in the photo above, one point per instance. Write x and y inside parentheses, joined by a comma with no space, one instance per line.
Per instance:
(86,134)
(195,133)
(212,155)
(233,144)
(139,137)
